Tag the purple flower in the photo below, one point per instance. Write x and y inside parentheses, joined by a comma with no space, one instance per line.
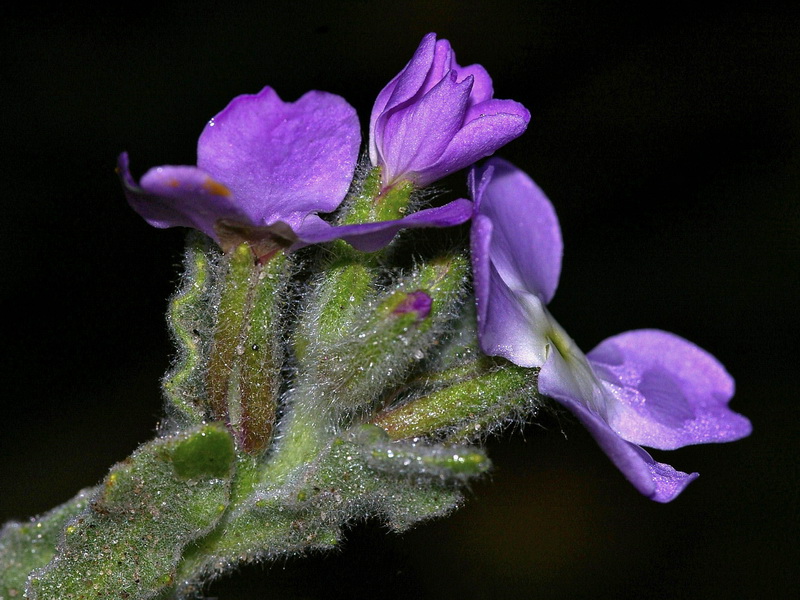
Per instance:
(436,117)
(263,167)
(645,387)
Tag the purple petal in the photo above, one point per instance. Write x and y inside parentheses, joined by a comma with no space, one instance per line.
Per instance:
(657,481)
(525,244)
(498,122)
(440,67)
(669,393)
(482,89)
(430,63)
(369,237)
(404,86)
(179,197)
(495,107)
(408,82)
(426,124)
(416,136)
(282,160)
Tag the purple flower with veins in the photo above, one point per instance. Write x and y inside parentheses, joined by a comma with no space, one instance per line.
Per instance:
(435,117)
(644,387)
(265,168)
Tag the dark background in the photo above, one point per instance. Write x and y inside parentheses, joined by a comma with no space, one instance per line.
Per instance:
(668,142)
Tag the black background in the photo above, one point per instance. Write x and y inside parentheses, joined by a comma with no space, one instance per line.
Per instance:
(667,139)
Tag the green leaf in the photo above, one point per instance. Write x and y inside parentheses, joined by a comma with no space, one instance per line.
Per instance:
(127,544)
(205,455)
(31,545)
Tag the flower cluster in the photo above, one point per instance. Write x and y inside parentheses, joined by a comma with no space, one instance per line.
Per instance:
(268,169)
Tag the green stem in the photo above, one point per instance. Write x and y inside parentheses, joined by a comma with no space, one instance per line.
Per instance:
(307,430)
(231,316)
(244,366)
(251,523)
(466,407)
(31,545)
(260,376)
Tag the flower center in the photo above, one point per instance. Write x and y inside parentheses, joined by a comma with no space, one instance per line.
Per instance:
(574,368)
(265,242)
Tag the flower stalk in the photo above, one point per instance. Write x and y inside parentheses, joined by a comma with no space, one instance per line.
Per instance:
(465,410)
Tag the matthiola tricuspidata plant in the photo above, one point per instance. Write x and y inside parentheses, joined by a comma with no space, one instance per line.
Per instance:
(333,365)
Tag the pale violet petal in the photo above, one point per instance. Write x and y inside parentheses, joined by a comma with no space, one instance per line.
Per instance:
(506,327)
(668,392)
(369,237)
(566,372)
(657,481)
(480,243)
(526,245)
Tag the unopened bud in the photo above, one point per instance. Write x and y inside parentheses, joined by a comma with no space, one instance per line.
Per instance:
(417,302)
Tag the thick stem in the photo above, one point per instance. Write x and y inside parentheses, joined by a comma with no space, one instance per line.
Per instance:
(231,316)
(244,377)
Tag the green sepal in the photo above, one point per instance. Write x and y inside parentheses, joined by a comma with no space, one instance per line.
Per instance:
(32,544)
(127,543)
(349,275)
(359,207)
(261,357)
(393,203)
(375,203)
(348,284)
(229,323)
